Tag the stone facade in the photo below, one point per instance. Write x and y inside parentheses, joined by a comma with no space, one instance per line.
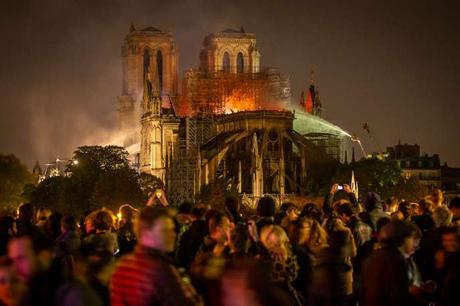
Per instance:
(426,168)
(256,150)
(149,54)
(159,135)
(229,51)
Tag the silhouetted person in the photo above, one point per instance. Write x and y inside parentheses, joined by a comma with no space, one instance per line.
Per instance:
(385,279)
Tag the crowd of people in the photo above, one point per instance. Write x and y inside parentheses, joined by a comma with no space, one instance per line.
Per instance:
(343,252)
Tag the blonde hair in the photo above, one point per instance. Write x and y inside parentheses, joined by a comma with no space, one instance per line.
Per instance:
(274,236)
(442,216)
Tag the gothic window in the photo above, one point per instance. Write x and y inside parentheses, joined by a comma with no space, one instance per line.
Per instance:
(239,63)
(226,62)
(160,69)
(146,62)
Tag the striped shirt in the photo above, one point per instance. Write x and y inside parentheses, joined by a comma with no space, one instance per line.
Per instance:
(148,277)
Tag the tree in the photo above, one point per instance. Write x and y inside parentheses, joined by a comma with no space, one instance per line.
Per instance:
(117,187)
(410,189)
(149,183)
(215,192)
(52,193)
(13,177)
(101,177)
(372,174)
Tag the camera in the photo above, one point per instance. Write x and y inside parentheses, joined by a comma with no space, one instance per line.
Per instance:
(340,187)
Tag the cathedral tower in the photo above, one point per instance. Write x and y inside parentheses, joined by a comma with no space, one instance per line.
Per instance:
(150,55)
(230,51)
(159,133)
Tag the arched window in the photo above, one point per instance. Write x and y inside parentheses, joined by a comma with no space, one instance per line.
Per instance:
(226,62)
(239,63)
(146,62)
(160,70)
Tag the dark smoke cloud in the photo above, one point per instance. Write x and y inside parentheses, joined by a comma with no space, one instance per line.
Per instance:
(392,64)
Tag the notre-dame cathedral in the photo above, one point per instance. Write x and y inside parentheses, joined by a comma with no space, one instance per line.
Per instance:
(150,104)
(230,116)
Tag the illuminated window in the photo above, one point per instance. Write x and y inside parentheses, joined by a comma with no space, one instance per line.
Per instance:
(226,62)
(239,63)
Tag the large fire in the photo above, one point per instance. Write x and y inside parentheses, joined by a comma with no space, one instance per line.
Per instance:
(229,93)
(239,100)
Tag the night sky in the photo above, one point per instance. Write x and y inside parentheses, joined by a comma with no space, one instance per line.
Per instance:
(392,64)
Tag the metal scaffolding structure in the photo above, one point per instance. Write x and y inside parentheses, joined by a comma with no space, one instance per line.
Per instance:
(194,132)
(328,143)
(221,92)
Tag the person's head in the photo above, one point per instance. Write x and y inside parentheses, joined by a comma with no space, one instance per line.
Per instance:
(30,255)
(345,211)
(127,213)
(198,212)
(42,214)
(26,212)
(381,222)
(291,211)
(450,239)
(53,225)
(89,221)
(372,201)
(103,221)
(219,227)
(156,229)
(185,208)
(391,205)
(415,209)
(437,197)
(397,216)
(442,216)
(402,235)
(266,207)
(455,207)
(68,223)
(426,206)
(308,232)
(404,208)
(240,241)
(184,216)
(310,210)
(274,237)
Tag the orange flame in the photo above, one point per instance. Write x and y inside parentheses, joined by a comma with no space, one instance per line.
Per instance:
(239,100)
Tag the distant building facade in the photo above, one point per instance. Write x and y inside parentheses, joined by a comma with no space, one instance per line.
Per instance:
(426,168)
(450,178)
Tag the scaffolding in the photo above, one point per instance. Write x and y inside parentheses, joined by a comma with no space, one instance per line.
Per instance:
(328,143)
(221,92)
(193,133)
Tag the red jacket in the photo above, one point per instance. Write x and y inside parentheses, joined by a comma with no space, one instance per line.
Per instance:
(148,277)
